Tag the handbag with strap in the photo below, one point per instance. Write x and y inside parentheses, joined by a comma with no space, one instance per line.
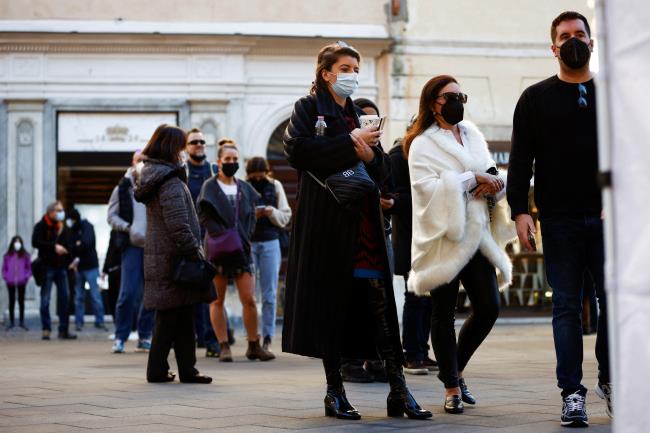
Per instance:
(348,187)
(192,272)
(226,246)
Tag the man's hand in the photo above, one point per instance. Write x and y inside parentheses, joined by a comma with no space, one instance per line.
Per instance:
(60,250)
(525,225)
(386,203)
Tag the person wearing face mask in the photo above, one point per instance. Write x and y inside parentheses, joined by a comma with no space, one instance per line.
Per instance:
(460,229)
(85,266)
(50,237)
(339,296)
(226,204)
(16,271)
(173,232)
(555,131)
(273,214)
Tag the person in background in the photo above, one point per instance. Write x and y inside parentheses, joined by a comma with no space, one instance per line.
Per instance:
(339,293)
(416,316)
(128,218)
(173,231)
(112,271)
(50,237)
(226,203)
(16,271)
(273,214)
(198,171)
(460,232)
(85,265)
(555,132)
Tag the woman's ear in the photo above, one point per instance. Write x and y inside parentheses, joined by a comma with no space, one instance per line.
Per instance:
(325,74)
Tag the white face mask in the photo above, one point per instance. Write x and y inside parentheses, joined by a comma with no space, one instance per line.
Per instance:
(60,215)
(18,246)
(346,84)
(69,223)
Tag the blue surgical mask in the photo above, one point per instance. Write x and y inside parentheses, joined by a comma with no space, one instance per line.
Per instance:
(60,215)
(346,84)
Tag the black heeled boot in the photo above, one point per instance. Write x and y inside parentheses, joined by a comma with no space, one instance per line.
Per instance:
(336,402)
(400,402)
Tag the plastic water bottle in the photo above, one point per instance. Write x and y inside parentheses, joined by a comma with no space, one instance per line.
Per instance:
(321,126)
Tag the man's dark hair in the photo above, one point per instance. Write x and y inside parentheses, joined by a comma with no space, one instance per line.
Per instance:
(568,16)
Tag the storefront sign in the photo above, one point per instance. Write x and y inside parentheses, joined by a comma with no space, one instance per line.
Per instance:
(108,132)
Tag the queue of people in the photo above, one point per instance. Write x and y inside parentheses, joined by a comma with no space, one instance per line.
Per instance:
(432,210)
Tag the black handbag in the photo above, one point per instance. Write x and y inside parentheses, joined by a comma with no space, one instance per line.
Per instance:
(350,186)
(38,271)
(192,272)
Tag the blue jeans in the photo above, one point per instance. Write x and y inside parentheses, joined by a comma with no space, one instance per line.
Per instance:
(82,277)
(416,326)
(574,245)
(267,258)
(130,297)
(59,277)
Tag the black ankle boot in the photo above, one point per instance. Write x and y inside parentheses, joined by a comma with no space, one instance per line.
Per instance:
(337,405)
(400,402)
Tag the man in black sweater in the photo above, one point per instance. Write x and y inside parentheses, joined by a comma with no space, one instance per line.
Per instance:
(554,126)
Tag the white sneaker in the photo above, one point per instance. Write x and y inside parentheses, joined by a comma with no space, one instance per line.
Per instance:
(604,391)
(118,347)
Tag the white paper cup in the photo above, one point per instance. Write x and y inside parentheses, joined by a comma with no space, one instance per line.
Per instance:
(369,120)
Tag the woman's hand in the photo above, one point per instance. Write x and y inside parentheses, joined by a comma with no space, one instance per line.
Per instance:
(370,134)
(364,152)
(488,184)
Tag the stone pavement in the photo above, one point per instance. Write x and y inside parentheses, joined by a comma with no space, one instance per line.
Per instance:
(80,386)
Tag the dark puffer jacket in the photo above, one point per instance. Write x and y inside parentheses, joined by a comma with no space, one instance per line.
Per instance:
(172,230)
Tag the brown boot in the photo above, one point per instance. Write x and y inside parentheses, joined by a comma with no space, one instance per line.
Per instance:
(255,351)
(226,354)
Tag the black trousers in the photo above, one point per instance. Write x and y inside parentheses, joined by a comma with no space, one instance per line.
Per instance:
(12,301)
(480,282)
(173,327)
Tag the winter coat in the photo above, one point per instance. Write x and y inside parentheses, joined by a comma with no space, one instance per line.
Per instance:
(216,213)
(82,245)
(172,230)
(449,226)
(44,237)
(401,212)
(16,268)
(324,316)
(138,226)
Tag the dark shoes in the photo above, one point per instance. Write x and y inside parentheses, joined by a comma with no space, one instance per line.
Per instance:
(377,370)
(231,336)
(454,404)
(199,378)
(66,335)
(466,396)
(169,378)
(337,405)
(416,367)
(255,351)
(574,411)
(430,364)
(355,373)
(212,350)
(400,404)
(46,334)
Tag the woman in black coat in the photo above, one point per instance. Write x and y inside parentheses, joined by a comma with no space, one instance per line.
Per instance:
(339,295)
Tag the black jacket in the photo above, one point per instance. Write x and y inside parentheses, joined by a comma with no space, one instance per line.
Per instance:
(401,211)
(216,213)
(82,244)
(324,316)
(44,237)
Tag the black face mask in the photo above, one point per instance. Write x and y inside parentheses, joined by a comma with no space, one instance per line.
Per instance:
(229,168)
(197,158)
(453,111)
(259,184)
(575,53)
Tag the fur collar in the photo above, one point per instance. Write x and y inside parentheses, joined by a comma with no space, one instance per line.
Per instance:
(472,155)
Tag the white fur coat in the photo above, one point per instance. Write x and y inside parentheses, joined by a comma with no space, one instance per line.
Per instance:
(448,228)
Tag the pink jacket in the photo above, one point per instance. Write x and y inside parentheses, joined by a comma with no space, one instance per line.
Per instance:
(16,268)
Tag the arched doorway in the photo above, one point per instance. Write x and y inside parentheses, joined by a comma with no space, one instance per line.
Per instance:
(282,171)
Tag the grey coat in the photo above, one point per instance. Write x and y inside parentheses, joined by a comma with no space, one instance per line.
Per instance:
(172,230)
